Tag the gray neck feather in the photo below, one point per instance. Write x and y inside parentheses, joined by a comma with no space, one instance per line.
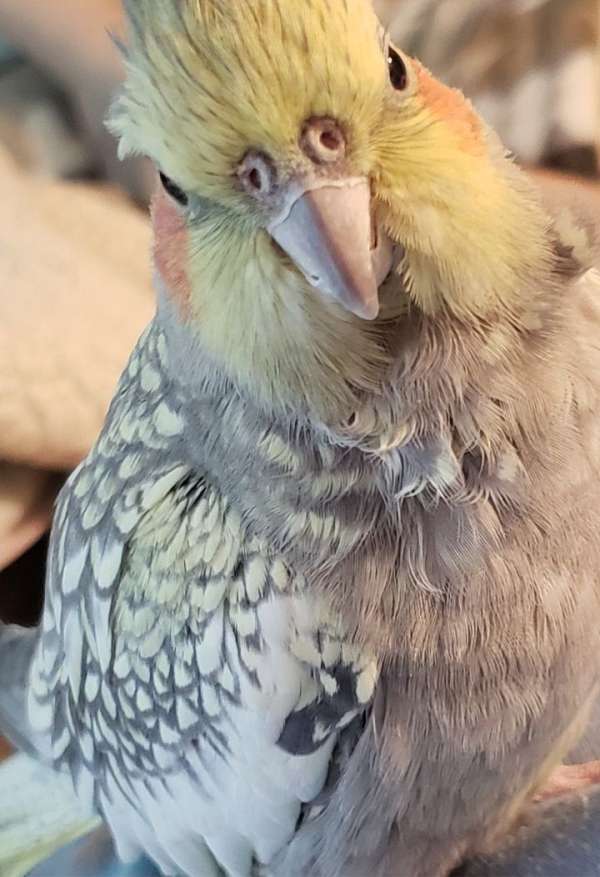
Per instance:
(415,490)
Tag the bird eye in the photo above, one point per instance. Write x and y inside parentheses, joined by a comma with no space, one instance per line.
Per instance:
(398,71)
(174,191)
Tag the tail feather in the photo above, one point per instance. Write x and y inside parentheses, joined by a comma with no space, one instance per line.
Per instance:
(17,646)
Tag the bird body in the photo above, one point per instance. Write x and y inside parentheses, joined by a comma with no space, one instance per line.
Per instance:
(191,646)
(323,599)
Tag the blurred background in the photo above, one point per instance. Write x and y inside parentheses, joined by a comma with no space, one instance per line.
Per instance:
(74,243)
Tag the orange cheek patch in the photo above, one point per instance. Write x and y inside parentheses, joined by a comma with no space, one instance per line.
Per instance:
(171,249)
(452,107)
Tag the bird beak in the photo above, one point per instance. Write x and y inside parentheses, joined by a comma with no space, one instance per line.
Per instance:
(327,232)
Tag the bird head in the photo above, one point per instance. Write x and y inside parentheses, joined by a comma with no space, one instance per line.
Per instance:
(316,184)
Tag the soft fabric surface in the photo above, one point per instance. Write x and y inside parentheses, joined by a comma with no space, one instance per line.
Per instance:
(74,296)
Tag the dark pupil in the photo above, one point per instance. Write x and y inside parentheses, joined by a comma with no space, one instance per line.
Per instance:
(398,72)
(174,190)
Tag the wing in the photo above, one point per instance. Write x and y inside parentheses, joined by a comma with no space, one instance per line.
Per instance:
(127,473)
(185,676)
(247,682)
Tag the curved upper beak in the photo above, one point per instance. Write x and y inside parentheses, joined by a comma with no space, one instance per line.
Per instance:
(328,234)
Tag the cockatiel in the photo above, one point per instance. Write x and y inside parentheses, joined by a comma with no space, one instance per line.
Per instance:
(324,598)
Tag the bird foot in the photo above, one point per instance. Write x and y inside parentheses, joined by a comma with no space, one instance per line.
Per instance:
(568,779)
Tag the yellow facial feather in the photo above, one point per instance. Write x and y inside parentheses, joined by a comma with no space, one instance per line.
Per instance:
(465,215)
(211,79)
(257,315)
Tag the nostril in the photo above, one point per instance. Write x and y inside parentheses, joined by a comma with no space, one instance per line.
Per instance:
(323,141)
(255,179)
(257,175)
(331,141)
